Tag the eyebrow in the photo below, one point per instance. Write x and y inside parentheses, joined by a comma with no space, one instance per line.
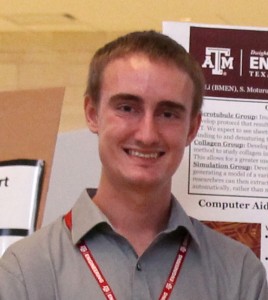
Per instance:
(172,104)
(125,96)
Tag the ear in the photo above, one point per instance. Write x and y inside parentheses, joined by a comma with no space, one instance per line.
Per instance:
(91,114)
(194,127)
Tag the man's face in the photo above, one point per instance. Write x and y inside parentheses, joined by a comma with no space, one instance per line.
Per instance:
(143,121)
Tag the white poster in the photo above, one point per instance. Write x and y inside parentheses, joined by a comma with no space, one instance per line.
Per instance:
(19,197)
(224,176)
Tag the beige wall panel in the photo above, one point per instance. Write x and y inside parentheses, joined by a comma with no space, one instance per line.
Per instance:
(23,41)
(31,60)
(72,116)
(76,75)
(8,76)
(41,75)
(10,57)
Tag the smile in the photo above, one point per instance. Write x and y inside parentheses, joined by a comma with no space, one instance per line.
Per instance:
(152,155)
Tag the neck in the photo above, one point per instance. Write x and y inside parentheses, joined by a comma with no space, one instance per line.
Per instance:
(137,214)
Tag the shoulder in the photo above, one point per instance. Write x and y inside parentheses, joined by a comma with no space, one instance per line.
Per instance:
(219,245)
(231,261)
(38,243)
(28,265)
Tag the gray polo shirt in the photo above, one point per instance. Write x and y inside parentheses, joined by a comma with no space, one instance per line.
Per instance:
(47,265)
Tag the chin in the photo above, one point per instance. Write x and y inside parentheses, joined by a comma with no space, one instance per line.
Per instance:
(145,183)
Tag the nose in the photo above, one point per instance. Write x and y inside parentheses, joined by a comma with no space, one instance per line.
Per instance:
(147,132)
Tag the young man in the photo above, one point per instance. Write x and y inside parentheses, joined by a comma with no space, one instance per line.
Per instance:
(131,239)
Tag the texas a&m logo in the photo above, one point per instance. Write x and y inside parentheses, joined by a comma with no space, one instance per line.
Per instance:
(218,60)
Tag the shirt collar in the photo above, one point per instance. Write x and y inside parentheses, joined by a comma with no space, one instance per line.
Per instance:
(86,215)
(179,218)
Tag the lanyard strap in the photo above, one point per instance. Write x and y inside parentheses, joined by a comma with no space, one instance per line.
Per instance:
(103,284)
(176,268)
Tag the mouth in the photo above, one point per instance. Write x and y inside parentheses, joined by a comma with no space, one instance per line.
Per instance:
(145,155)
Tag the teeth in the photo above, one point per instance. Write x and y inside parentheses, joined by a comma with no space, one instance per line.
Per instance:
(143,155)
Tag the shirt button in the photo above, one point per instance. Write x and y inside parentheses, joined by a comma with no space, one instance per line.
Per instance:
(138,266)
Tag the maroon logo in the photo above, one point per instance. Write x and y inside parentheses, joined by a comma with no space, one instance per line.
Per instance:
(234,61)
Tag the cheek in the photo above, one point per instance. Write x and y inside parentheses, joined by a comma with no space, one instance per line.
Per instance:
(114,128)
(110,133)
(178,137)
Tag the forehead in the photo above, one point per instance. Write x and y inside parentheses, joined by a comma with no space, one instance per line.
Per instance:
(139,75)
(135,57)
(142,68)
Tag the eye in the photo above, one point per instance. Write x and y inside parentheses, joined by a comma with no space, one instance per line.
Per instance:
(126,108)
(170,110)
(168,114)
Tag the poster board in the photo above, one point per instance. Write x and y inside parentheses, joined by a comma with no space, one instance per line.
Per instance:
(224,176)
(29,122)
(20,187)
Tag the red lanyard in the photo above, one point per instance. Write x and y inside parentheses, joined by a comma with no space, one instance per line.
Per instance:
(107,291)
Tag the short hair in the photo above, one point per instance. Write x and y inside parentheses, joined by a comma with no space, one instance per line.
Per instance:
(156,46)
